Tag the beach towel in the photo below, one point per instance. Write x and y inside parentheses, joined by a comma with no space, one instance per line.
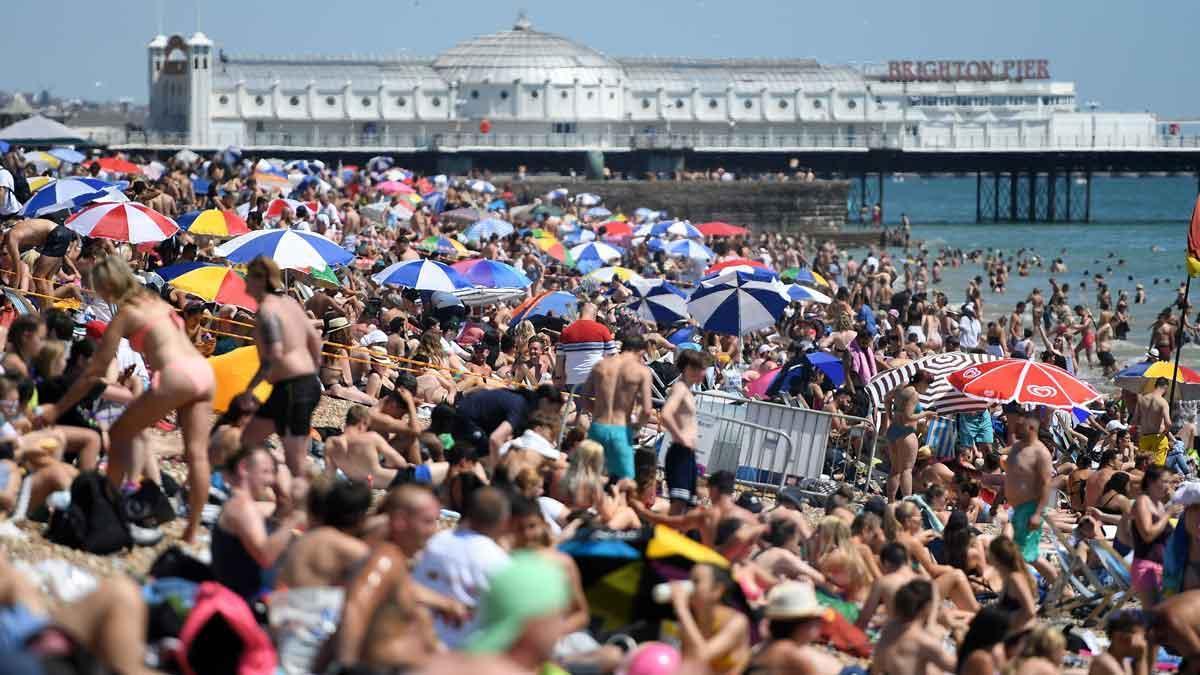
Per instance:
(928,517)
(940,435)
(1175,561)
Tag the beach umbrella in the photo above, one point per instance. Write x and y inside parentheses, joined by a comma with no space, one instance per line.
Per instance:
(200,187)
(597,212)
(615,229)
(42,160)
(487,228)
(38,182)
(737,303)
(481,186)
(392,187)
(554,248)
(133,223)
(645,215)
(550,303)
(721,229)
(492,274)
(803,275)
(655,244)
(940,396)
(70,193)
(443,246)
(546,211)
(587,199)
(1023,381)
(290,249)
(595,252)
(276,206)
(558,193)
(678,228)
(115,165)
(186,156)
(170,272)
(422,275)
(579,236)
(154,170)
(379,164)
(213,222)
(690,249)
(607,274)
(464,216)
(658,301)
(741,264)
(800,293)
(271,181)
(216,284)
(829,364)
(1139,378)
(435,200)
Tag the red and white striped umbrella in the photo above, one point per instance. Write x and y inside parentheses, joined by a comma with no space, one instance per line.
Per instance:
(276,206)
(1023,381)
(131,222)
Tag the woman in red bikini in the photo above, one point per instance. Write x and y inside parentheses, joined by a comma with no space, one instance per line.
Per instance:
(182,380)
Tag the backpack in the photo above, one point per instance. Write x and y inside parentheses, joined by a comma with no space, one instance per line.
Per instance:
(221,636)
(94,522)
(148,506)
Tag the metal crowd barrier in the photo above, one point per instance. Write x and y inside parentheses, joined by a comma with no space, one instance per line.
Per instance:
(767,445)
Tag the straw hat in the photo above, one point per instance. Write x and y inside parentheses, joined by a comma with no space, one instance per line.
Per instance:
(337,323)
(793,600)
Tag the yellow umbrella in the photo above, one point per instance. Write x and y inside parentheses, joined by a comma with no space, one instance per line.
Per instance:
(42,160)
(38,182)
(233,371)
(606,274)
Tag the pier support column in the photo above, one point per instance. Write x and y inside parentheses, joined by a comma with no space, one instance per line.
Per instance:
(1013,178)
(978,197)
(996,197)
(879,197)
(862,191)
(1087,199)
(1070,184)
(1051,194)
(1033,196)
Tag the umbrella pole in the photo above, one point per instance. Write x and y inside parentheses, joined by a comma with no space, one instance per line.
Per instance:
(1187,291)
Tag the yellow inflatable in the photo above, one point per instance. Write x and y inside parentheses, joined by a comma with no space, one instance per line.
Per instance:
(233,371)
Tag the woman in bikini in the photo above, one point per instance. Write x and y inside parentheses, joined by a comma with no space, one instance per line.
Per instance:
(906,414)
(183,381)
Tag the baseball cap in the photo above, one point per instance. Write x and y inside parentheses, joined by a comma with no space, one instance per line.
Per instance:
(1116,425)
(751,502)
(529,587)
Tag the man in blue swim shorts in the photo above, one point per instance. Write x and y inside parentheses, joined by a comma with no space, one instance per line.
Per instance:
(616,386)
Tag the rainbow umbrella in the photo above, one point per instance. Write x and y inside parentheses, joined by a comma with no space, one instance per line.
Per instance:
(443,246)
(216,284)
(1140,377)
(554,249)
(213,222)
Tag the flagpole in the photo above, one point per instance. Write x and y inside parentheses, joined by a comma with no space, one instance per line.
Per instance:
(1187,291)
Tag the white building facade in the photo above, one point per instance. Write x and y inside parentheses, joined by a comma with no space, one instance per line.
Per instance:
(522,89)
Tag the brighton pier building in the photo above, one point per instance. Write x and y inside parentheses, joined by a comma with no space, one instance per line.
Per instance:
(523,90)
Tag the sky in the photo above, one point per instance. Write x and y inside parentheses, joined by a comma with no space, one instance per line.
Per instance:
(1127,56)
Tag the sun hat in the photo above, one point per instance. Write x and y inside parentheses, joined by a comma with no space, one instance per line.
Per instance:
(529,587)
(336,323)
(793,600)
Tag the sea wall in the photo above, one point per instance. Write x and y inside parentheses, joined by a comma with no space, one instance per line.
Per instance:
(816,207)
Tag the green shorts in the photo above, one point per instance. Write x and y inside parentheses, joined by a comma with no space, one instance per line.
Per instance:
(617,441)
(1026,539)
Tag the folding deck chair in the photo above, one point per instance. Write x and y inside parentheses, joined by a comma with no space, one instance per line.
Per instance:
(1118,569)
(1088,590)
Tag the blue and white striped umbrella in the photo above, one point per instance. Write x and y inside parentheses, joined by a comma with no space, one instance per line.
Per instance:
(676,228)
(308,167)
(737,303)
(692,250)
(597,212)
(68,155)
(658,301)
(70,193)
(587,199)
(645,215)
(578,236)
(423,275)
(435,200)
(558,193)
(379,164)
(596,251)
(290,249)
(656,244)
(800,293)
(485,229)
(481,186)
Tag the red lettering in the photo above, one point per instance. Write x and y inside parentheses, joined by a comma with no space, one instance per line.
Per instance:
(958,69)
(1010,70)
(986,70)
(1043,69)
(943,72)
(1028,69)
(972,70)
(929,70)
(894,71)
(909,75)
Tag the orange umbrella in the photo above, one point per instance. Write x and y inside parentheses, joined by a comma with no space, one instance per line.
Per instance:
(116,165)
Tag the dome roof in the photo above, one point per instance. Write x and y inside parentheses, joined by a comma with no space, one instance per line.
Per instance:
(528,55)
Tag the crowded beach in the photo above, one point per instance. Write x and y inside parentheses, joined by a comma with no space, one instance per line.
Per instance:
(301,417)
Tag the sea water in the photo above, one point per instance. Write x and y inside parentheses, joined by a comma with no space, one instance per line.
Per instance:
(1143,221)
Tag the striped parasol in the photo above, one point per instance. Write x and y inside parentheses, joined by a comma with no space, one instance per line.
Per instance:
(940,396)
(134,223)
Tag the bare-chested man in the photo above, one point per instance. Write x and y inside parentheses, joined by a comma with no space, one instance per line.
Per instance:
(1152,417)
(616,385)
(1175,622)
(51,240)
(896,573)
(364,455)
(289,352)
(1027,485)
(905,644)
(679,419)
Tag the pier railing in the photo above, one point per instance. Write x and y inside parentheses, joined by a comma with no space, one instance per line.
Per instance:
(769,141)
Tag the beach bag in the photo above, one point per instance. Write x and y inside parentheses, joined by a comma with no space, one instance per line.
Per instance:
(148,506)
(221,637)
(93,522)
(168,602)
(175,563)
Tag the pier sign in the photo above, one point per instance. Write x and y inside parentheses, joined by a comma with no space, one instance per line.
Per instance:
(951,71)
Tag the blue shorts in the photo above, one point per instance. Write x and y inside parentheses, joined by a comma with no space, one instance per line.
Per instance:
(975,428)
(617,441)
